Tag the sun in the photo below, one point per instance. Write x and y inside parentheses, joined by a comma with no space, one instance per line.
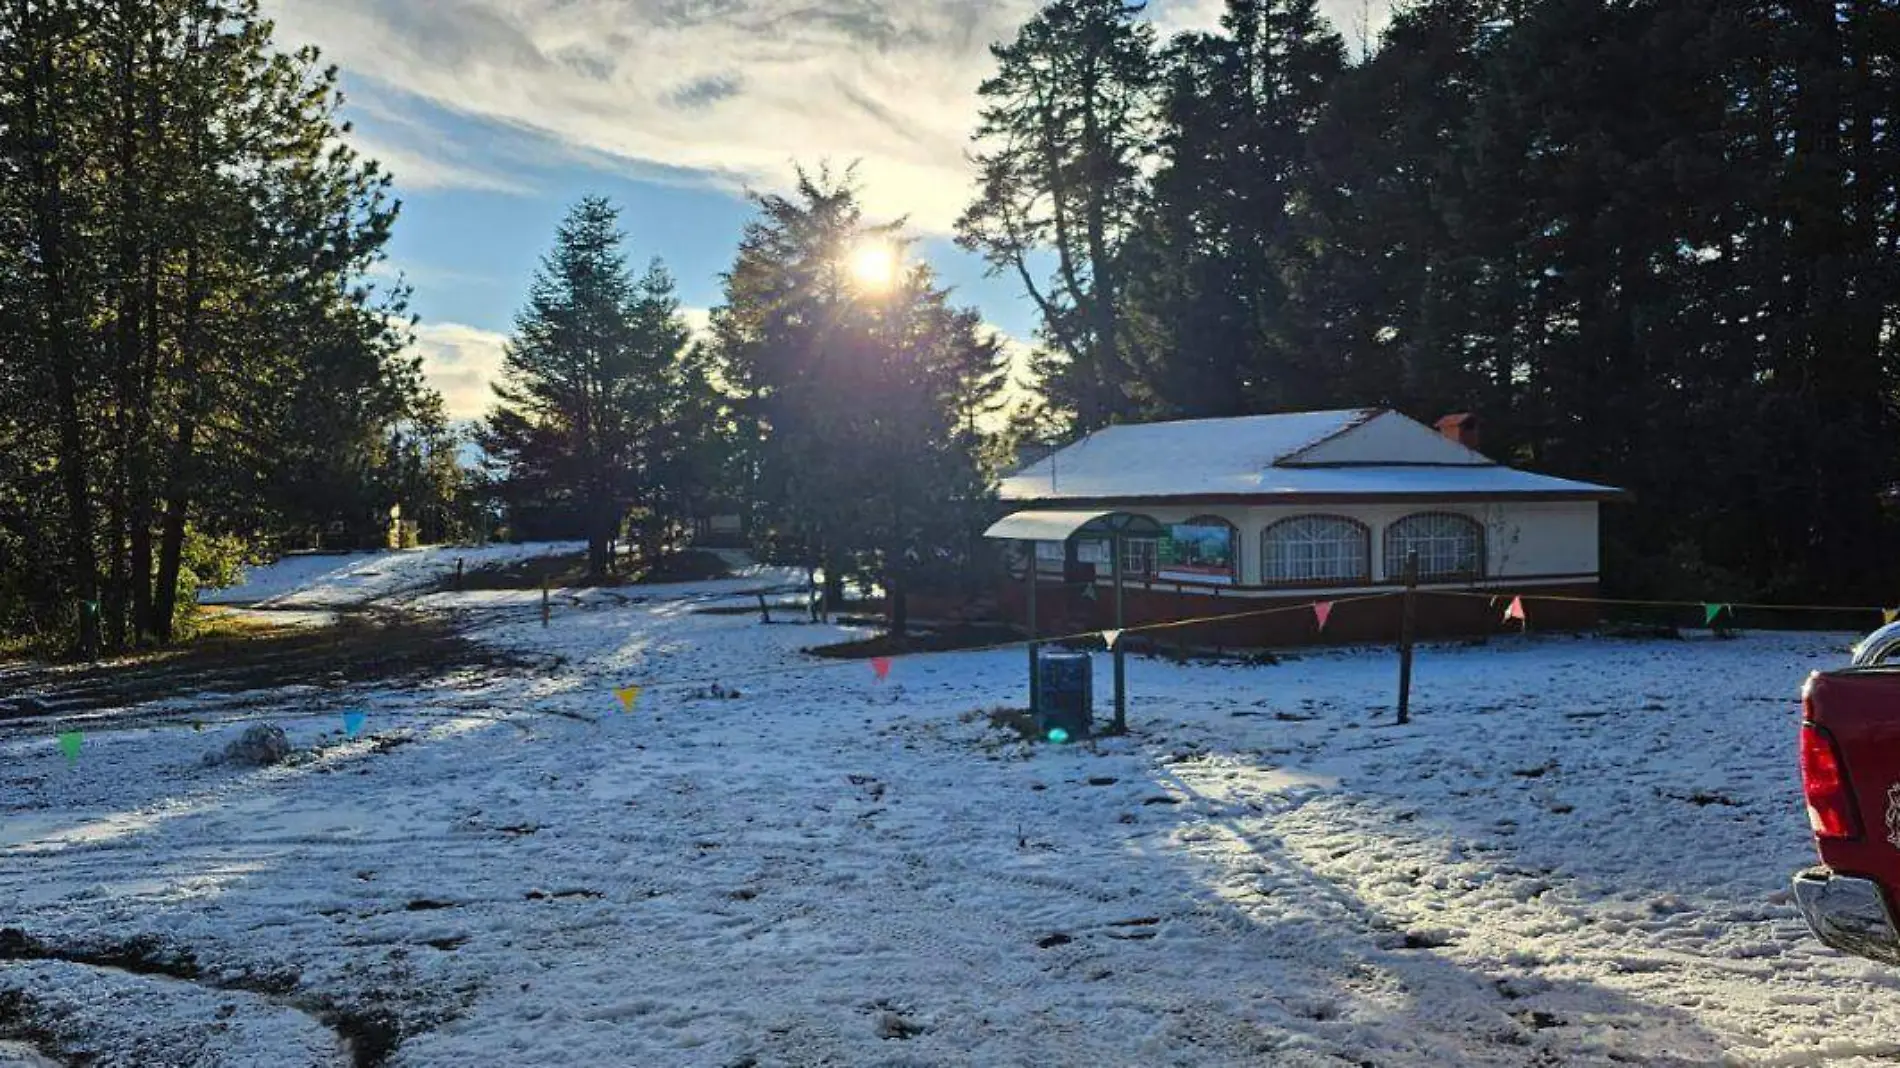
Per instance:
(874,264)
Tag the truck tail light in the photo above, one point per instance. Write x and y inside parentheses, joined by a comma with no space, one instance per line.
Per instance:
(1824,781)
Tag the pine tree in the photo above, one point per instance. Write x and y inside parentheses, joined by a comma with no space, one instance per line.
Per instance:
(586,379)
(1211,274)
(861,401)
(1064,135)
(177,204)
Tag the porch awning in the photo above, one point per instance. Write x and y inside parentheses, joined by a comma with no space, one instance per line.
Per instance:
(1058,524)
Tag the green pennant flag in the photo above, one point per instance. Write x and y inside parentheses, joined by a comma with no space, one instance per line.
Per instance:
(1709,612)
(69,743)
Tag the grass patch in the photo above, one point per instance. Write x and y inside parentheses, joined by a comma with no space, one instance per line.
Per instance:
(209,626)
(240,655)
(1019,721)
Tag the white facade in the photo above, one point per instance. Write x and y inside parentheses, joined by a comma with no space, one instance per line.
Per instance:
(1371,485)
(1524,541)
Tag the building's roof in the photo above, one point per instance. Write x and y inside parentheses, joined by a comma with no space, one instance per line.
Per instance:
(1057,524)
(1357,452)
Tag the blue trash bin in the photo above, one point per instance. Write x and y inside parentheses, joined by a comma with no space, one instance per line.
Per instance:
(1066,696)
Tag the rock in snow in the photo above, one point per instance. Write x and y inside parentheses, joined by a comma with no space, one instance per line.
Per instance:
(261,745)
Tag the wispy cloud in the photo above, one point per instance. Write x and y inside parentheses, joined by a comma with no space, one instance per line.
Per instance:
(730,91)
(748,86)
(461,362)
(419,168)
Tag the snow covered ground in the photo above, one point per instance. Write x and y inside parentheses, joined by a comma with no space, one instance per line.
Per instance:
(1577,854)
(341,580)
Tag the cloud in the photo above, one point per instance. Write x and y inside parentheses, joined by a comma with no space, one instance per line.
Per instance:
(699,321)
(749,86)
(461,362)
(414,170)
(1022,387)
(733,92)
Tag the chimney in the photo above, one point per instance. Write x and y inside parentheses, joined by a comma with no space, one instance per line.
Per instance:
(1461,427)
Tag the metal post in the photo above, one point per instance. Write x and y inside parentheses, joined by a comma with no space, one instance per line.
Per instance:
(1121,691)
(547,607)
(1035,669)
(1406,616)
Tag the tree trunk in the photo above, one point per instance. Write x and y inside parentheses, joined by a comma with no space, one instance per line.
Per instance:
(60,354)
(171,550)
(898,594)
(834,583)
(178,487)
(599,536)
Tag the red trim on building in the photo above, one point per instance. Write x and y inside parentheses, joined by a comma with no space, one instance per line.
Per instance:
(1063,609)
(1266,500)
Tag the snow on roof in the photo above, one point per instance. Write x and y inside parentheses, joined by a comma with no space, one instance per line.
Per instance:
(1359,451)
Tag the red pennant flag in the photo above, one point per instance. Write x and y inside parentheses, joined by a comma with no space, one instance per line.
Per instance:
(882,666)
(1516,610)
(1322,610)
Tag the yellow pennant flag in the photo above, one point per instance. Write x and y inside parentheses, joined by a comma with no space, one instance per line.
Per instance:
(1888,615)
(628,695)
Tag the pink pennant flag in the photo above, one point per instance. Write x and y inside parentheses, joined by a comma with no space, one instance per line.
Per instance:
(882,666)
(1321,611)
(1516,610)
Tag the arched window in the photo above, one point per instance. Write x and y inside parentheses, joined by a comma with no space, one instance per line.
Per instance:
(1316,548)
(1448,546)
(1199,550)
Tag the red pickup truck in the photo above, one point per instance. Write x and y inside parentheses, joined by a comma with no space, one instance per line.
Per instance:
(1850,772)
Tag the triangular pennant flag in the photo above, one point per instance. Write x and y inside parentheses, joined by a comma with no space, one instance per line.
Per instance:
(1888,615)
(1109,637)
(353,723)
(1322,610)
(628,695)
(1516,610)
(1709,612)
(69,744)
(881,666)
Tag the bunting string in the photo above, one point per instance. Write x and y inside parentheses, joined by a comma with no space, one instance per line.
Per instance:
(70,742)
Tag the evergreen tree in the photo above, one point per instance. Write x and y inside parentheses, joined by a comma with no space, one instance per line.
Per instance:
(1211,273)
(861,400)
(186,247)
(1064,136)
(587,378)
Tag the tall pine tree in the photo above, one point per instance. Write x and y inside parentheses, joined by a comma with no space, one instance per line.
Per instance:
(861,394)
(586,382)
(1212,272)
(1066,131)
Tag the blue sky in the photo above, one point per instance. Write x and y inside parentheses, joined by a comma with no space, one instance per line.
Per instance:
(495,115)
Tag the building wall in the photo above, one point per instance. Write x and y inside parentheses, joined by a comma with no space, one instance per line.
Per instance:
(1545,551)
(1529,539)
(1279,619)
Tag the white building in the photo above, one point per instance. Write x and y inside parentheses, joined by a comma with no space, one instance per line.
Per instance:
(1313,505)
